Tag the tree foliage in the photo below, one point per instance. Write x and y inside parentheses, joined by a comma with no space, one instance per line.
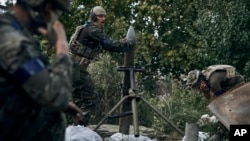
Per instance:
(222,27)
(175,36)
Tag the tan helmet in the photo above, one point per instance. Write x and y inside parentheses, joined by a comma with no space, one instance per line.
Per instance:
(60,4)
(97,10)
(193,77)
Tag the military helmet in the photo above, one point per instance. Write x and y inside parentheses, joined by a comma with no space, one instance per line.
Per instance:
(33,7)
(60,4)
(193,77)
(97,10)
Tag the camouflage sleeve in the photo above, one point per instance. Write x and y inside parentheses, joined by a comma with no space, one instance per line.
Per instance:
(51,87)
(108,44)
(48,85)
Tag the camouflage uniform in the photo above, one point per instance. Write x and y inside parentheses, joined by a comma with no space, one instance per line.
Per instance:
(83,49)
(33,94)
(219,78)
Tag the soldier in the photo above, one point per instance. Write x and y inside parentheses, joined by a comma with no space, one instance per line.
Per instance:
(215,80)
(34,94)
(85,45)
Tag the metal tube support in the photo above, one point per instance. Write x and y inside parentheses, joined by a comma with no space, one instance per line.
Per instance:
(133,103)
(132,79)
(135,117)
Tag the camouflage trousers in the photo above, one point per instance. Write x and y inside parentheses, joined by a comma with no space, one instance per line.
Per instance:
(83,95)
(46,126)
(54,130)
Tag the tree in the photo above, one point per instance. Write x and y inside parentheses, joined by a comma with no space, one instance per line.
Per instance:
(222,28)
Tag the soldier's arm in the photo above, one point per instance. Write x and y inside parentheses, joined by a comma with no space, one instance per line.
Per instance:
(204,88)
(108,43)
(49,86)
(61,71)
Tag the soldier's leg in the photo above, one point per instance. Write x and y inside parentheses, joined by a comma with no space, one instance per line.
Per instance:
(49,126)
(56,132)
(84,95)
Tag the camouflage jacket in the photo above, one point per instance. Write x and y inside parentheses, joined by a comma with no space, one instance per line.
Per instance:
(92,38)
(27,83)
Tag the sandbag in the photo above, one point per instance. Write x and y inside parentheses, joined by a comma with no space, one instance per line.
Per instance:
(122,137)
(81,133)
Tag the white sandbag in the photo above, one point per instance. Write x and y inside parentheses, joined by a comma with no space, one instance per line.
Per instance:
(122,137)
(81,133)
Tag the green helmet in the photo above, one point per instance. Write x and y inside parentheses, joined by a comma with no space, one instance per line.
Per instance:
(97,10)
(59,4)
(193,77)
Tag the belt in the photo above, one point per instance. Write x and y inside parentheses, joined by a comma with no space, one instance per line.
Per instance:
(82,61)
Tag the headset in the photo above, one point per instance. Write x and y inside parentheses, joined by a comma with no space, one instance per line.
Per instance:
(93,15)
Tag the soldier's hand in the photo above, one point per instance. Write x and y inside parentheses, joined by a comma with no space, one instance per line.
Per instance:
(203,86)
(77,114)
(61,43)
(55,33)
(78,118)
(132,42)
(72,109)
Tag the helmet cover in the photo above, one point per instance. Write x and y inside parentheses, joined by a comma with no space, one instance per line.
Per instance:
(193,77)
(98,10)
(59,4)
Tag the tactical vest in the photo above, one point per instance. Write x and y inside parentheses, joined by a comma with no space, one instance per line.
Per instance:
(230,70)
(79,49)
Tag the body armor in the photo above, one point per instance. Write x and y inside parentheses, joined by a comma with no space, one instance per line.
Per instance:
(227,75)
(80,53)
(87,50)
(230,70)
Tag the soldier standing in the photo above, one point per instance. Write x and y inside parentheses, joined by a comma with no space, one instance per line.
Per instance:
(215,80)
(85,45)
(34,94)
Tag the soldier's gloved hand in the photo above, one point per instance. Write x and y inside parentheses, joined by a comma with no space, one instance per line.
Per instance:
(203,87)
(75,111)
(61,42)
(79,119)
(132,42)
